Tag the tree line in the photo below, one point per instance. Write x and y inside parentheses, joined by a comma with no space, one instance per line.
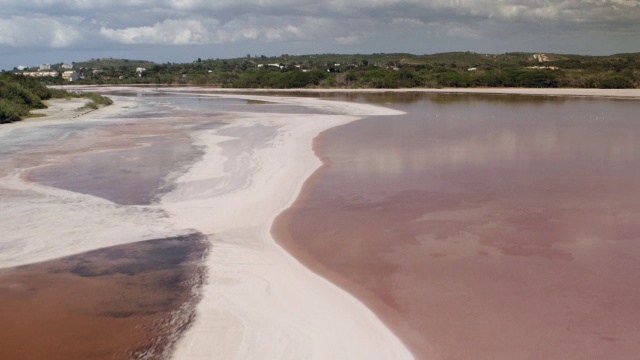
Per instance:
(378,70)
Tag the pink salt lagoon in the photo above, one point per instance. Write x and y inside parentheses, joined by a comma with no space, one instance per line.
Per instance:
(472,226)
(484,226)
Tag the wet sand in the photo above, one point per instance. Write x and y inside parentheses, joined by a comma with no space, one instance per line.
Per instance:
(483,228)
(130,166)
(125,302)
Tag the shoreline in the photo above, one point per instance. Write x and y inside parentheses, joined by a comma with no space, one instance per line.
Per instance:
(613,93)
(64,111)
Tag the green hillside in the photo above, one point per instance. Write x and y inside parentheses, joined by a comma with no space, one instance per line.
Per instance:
(111,63)
(377,70)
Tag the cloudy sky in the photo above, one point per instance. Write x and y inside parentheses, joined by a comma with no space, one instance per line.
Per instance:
(53,31)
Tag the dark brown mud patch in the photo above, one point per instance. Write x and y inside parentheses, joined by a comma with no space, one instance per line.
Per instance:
(130,301)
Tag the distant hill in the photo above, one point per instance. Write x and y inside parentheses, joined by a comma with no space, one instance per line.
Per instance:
(377,70)
(111,63)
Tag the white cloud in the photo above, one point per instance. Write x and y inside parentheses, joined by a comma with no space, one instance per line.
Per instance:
(453,30)
(168,32)
(368,25)
(348,40)
(206,31)
(38,31)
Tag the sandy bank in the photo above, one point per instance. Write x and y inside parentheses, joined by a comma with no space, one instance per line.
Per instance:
(261,302)
(65,110)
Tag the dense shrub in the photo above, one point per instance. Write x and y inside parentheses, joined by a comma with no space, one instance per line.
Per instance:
(616,82)
(11,111)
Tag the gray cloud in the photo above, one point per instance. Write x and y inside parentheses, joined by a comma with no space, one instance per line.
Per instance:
(333,25)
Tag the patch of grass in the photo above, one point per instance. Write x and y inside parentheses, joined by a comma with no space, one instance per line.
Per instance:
(89,105)
(95,101)
(34,115)
(98,99)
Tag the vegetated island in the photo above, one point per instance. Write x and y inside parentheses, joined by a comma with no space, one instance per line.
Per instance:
(20,94)
(359,71)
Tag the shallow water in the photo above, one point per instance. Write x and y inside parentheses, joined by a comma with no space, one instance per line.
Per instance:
(121,302)
(485,227)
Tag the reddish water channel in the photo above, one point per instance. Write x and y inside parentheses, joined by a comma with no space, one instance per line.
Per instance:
(484,227)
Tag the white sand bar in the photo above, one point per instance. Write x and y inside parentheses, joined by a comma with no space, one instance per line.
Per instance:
(261,303)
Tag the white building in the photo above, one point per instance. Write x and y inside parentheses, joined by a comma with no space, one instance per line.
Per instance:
(40,73)
(67,66)
(21,67)
(70,75)
(44,67)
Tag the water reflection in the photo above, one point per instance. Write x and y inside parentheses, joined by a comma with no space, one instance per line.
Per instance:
(586,137)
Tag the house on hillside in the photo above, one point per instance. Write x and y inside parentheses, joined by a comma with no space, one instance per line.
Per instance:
(67,66)
(44,67)
(70,75)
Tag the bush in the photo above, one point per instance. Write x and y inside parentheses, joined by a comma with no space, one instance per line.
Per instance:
(616,82)
(11,111)
(97,98)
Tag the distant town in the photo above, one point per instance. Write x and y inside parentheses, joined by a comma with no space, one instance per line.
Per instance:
(64,70)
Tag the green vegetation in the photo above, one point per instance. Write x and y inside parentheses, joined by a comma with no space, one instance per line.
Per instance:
(111,63)
(21,94)
(95,101)
(459,69)
(378,70)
